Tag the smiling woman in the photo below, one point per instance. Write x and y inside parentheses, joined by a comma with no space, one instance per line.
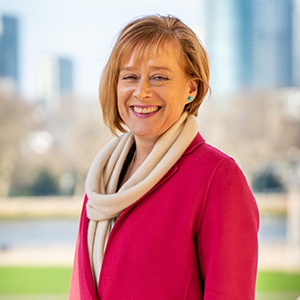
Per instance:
(146,40)
(165,215)
(152,93)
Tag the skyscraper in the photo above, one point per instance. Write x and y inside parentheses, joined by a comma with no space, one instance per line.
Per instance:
(55,82)
(250,44)
(9,51)
(273,40)
(228,40)
(65,75)
(296,43)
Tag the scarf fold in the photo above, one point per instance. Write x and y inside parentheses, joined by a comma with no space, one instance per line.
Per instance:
(102,179)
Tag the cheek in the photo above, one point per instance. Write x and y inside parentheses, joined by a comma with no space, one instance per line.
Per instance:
(122,94)
(121,106)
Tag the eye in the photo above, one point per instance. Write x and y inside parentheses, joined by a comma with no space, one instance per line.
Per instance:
(160,78)
(129,77)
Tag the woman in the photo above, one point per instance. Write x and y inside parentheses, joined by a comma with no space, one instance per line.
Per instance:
(165,216)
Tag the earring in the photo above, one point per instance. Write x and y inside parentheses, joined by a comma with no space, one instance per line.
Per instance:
(190,98)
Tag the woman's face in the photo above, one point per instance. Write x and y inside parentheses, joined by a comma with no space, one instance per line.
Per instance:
(153,93)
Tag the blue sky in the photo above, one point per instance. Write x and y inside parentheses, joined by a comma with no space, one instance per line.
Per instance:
(84,31)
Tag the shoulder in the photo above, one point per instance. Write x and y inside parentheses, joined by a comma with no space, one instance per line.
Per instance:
(205,154)
(210,166)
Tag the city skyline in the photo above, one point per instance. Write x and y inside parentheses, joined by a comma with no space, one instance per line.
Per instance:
(83,31)
(257,40)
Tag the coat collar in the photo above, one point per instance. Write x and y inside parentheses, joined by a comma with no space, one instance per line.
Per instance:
(197,141)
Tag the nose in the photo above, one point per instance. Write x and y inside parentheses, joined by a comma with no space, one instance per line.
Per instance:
(142,89)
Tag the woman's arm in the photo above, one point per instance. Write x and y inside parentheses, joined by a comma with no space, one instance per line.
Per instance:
(227,236)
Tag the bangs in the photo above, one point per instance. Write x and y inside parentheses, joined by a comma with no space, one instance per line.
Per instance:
(143,49)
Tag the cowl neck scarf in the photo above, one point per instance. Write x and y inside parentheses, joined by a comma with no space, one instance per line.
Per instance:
(105,203)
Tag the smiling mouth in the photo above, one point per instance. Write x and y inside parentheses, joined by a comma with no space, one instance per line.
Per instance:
(145,110)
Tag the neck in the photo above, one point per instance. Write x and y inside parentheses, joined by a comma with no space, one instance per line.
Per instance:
(143,148)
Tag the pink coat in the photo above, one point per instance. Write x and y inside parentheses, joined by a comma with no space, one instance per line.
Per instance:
(193,236)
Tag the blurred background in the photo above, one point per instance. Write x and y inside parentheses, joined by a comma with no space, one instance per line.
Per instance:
(51,57)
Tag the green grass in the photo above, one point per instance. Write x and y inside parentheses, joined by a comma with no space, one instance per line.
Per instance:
(259,296)
(278,281)
(32,281)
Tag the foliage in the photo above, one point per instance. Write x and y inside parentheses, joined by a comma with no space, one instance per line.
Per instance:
(266,181)
(45,184)
(15,123)
(34,139)
(259,129)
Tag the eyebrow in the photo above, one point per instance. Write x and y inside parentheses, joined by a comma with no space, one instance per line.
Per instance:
(151,68)
(128,69)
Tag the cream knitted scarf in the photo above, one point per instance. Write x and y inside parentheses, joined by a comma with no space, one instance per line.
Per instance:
(102,179)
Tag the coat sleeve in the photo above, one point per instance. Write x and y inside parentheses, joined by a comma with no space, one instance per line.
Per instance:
(74,292)
(227,236)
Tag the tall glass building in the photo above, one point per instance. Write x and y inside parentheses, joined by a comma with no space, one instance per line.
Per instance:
(250,44)
(9,50)
(273,43)
(55,81)
(296,43)
(65,70)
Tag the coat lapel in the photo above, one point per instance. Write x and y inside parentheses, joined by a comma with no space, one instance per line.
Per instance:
(197,141)
(86,281)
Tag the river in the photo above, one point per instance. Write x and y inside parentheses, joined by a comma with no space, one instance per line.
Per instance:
(62,232)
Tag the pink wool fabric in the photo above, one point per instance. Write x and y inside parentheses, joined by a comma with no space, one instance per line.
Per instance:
(192,236)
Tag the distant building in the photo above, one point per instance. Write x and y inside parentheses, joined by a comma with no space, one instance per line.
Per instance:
(296,43)
(250,44)
(65,76)
(9,52)
(55,82)
(228,41)
(273,43)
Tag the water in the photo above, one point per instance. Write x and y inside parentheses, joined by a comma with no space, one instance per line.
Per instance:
(62,232)
(273,228)
(37,232)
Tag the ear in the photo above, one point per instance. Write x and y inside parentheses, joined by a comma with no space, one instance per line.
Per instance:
(193,88)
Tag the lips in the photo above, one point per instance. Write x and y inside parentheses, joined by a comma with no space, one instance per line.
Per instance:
(145,110)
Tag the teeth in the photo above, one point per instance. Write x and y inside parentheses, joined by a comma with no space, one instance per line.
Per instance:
(147,110)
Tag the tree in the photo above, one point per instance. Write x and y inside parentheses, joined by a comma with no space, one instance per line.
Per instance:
(15,123)
(257,128)
(45,184)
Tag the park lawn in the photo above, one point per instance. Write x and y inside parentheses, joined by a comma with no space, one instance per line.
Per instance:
(278,281)
(34,280)
(47,280)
